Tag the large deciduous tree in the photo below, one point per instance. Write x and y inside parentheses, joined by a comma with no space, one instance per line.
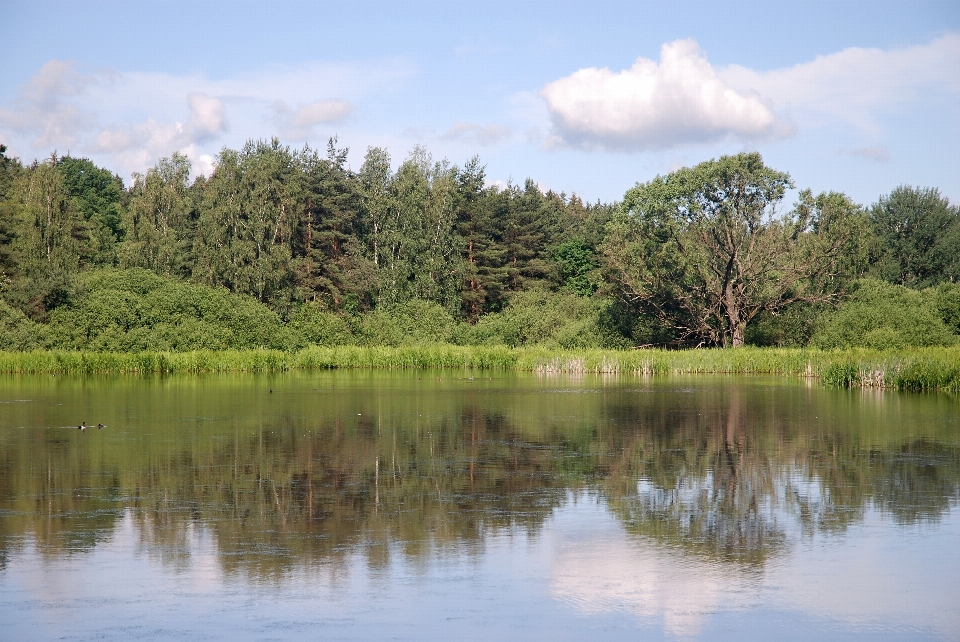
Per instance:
(704,249)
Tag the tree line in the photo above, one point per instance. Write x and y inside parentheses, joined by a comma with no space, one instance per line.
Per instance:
(705,256)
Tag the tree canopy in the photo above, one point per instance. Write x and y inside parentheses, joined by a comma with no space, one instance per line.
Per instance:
(704,250)
(705,255)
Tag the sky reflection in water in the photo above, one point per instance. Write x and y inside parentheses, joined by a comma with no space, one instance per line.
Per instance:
(372,505)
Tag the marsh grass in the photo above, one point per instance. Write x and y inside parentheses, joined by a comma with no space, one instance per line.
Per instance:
(935,368)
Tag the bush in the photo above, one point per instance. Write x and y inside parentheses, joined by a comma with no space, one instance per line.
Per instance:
(553,320)
(320,327)
(17,332)
(948,305)
(791,328)
(414,322)
(134,310)
(882,316)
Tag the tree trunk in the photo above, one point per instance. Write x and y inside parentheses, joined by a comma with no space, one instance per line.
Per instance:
(735,325)
(738,332)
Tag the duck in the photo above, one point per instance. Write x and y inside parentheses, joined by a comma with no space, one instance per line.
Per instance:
(101,426)
(82,426)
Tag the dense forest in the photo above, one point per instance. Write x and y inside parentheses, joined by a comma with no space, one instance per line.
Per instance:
(284,248)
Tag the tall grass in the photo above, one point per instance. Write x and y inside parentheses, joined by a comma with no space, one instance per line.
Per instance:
(935,368)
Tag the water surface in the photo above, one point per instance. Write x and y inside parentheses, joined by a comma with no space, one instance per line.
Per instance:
(436,505)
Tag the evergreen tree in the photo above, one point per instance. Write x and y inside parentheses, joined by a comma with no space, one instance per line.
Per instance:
(331,263)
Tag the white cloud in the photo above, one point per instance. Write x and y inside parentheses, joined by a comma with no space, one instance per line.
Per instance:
(207,116)
(322,111)
(855,84)
(653,106)
(129,120)
(683,99)
(482,134)
(299,122)
(45,106)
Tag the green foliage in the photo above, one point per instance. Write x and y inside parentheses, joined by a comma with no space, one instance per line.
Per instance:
(429,254)
(17,332)
(948,305)
(413,322)
(791,327)
(160,219)
(319,326)
(97,196)
(884,316)
(48,241)
(577,265)
(555,320)
(248,220)
(919,237)
(415,246)
(703,251)
(331,259)
(135,310)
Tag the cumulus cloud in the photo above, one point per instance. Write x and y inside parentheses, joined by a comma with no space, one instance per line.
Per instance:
(482,134)
(683,99)
(654,105)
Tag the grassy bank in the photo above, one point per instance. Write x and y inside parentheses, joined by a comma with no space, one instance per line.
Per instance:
(912,369)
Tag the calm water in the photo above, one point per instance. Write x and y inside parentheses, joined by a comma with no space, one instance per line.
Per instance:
(371,505)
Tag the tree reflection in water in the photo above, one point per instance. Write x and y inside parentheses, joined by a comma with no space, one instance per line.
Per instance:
(725,469)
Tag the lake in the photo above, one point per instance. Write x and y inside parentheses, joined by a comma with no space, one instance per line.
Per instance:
(475,506)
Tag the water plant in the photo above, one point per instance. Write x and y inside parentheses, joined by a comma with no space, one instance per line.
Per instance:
(933,368)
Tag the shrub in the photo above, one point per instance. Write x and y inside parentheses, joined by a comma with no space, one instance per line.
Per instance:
(948,305)
(414,322)
(883,316)
(17,332)
(791,327)
(134,310)
(540,317)
(319,326)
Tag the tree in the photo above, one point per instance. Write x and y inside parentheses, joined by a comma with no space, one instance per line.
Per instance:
(704,251)
(412,217)
(10,170)
(96,195)
(919,235)
(249,218)
(330,259)
(49,238)
(160,219)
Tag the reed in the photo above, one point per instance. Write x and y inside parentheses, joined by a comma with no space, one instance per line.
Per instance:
(935,368)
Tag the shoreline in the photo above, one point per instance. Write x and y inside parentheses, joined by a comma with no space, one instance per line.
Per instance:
(909,369)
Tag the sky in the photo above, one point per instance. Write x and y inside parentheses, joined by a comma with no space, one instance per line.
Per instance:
(585,98)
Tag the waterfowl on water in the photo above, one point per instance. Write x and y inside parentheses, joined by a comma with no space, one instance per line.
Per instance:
(82,426)
(100,426)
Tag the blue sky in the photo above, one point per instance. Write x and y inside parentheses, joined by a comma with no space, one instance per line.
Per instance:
(582,97)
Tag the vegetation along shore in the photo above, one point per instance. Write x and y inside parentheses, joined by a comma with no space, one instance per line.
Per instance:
(284,258)
(916,369)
